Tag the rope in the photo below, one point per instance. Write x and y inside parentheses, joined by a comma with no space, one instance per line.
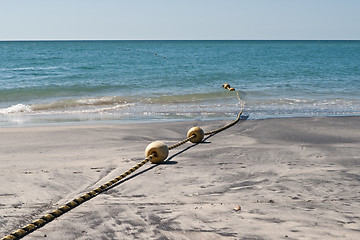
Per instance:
(22,232)
(242,106)
(235,121)
(181,142)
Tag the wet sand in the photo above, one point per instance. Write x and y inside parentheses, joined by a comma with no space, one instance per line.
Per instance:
(295,178)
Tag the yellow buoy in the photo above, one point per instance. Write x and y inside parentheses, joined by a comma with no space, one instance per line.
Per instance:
(159,149)
(226,86)
(198,132)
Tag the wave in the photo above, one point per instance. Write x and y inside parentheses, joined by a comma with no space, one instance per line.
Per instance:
(32,68)
(191,105)
(74,103)
(108,103)
(27,94)
(18,108)
(66,105)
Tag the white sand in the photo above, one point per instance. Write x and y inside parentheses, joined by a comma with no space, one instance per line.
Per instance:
(295,178)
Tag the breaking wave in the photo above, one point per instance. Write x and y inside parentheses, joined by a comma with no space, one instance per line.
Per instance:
(109,103)
(18,108)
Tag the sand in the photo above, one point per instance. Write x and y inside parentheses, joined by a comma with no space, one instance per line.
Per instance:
(295,178)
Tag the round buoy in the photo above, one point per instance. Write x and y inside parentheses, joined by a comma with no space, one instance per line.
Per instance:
(198,132)
(159,149)
(232,89)
(225,85)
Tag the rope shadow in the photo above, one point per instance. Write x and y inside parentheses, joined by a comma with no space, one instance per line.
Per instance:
(166,162)
(169,160)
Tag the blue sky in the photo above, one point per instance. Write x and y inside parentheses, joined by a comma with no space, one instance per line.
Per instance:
(174,19)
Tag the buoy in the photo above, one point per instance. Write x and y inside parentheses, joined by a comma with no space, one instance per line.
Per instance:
(159,149)
(198,132)
(226,86)
(232,89)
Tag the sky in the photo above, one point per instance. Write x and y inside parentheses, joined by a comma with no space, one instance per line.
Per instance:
(180,20)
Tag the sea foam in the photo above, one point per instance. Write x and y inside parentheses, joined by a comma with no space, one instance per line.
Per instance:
(18,108)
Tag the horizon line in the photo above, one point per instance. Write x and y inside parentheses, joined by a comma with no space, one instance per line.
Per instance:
(58,40)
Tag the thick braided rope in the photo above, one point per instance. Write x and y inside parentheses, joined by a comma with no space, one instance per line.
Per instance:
(22,232)
(181,142)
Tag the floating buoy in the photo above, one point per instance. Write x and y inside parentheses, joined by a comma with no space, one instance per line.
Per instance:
(198,132)
(159,149)
(226,86)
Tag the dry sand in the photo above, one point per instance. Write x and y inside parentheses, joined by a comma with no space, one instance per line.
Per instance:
(296,178)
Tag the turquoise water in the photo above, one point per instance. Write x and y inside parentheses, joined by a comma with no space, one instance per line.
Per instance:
(70,81)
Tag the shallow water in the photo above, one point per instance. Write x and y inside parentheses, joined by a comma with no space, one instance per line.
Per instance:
(122,81)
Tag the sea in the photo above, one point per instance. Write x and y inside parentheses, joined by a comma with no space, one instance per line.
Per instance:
(69,82)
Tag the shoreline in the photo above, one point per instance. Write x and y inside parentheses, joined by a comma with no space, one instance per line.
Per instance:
(292,177)
(110,122)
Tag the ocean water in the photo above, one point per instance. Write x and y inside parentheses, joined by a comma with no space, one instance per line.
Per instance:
(45,82)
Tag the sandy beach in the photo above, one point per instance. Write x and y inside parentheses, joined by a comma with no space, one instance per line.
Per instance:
(293,178)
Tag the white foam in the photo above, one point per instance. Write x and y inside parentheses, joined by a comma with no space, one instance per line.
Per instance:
(18,108)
